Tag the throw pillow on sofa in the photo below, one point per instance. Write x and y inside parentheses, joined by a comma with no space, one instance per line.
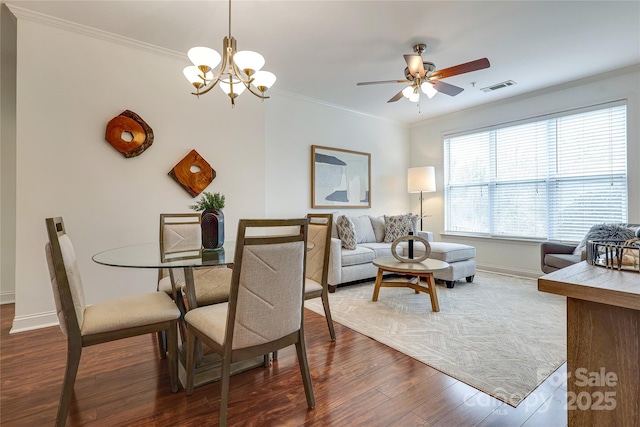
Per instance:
(397,226)
(364,229)
(346,232)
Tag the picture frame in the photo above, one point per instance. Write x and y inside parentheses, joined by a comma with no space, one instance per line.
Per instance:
(340,178)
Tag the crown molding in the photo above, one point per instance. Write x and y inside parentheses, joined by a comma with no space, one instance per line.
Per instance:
(30,15)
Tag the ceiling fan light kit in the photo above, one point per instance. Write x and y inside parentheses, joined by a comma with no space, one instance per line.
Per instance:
(239,71)
(423,76)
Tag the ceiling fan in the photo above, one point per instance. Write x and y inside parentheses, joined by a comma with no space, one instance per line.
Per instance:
(423,75)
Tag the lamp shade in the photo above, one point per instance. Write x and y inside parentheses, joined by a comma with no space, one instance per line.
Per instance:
(194,75)
(421,178)
(263,80)
(428,89)
(204,57)
(248,61)
(238,87)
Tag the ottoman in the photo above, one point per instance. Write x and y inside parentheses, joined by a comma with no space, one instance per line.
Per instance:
(460,258)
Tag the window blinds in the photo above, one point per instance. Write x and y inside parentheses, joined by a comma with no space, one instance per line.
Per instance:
(543,179)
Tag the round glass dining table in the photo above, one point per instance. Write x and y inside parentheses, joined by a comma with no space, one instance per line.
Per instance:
(152,255)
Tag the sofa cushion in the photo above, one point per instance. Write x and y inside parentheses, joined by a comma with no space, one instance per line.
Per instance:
(561,260)
(359,255)
(397,226)
(377,222)
(364,229)
(451,252)
(418,249)
(346,231)
(381,249)
(605,232)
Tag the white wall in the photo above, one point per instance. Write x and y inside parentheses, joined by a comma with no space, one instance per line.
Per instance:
(69,86)
(427,149)
(294,124)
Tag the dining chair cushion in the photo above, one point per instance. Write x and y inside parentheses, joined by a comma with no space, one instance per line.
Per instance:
(212,285)
(210,318)
(311,286)
(164,285)
(128,312)
(73,276)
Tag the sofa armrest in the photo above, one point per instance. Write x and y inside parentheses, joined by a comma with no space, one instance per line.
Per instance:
(426,235)
(556,248)
(335,262)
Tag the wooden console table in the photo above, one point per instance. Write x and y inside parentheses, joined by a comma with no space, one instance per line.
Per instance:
(603,343)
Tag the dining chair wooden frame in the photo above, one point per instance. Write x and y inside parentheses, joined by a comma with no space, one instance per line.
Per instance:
(200,320)
(66,304)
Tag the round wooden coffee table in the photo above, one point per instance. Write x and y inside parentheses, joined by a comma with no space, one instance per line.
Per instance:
(418,270)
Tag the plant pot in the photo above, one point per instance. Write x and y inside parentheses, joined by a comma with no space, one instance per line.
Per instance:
(212,229)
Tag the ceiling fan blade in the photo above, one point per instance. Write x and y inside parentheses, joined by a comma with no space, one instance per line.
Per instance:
(414,62)
(446,88)
(467,67)
(396,97)
(382,81)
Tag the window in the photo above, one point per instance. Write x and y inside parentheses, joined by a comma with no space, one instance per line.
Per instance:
(543,179)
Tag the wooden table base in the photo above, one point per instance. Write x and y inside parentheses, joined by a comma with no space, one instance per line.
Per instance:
(414,284)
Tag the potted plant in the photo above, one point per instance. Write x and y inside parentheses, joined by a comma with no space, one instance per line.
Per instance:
(212,223)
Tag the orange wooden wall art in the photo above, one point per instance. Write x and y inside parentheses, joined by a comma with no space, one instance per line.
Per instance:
(193,173)
(129,134)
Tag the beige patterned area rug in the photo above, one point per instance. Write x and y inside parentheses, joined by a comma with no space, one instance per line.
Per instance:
(497,334)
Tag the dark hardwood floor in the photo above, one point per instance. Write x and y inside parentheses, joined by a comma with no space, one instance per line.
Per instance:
(357,382)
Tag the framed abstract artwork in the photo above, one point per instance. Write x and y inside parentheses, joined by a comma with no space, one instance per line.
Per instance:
(340,178)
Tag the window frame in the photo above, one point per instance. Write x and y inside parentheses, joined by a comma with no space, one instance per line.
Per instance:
(492,184)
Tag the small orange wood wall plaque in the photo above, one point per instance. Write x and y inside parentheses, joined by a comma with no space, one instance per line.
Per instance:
(193,181)
(129,122)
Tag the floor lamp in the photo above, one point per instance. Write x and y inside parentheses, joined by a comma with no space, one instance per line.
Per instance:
(421,180)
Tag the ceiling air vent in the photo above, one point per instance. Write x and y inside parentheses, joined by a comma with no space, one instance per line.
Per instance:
(498,86)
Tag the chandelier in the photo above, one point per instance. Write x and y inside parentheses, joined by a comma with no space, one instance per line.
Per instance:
(238,71)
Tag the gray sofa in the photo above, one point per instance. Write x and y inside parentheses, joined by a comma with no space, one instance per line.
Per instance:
(352,265)
(554,255)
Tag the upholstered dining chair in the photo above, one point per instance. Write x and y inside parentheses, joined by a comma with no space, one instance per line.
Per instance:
(316,283)
(265,308)
(317,274)
(181,235)
(86,325)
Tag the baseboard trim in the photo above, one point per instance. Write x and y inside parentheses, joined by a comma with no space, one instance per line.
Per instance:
(34,321)
(7,297)
(509,271)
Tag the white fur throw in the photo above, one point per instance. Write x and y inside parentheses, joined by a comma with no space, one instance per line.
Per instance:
(606,232)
